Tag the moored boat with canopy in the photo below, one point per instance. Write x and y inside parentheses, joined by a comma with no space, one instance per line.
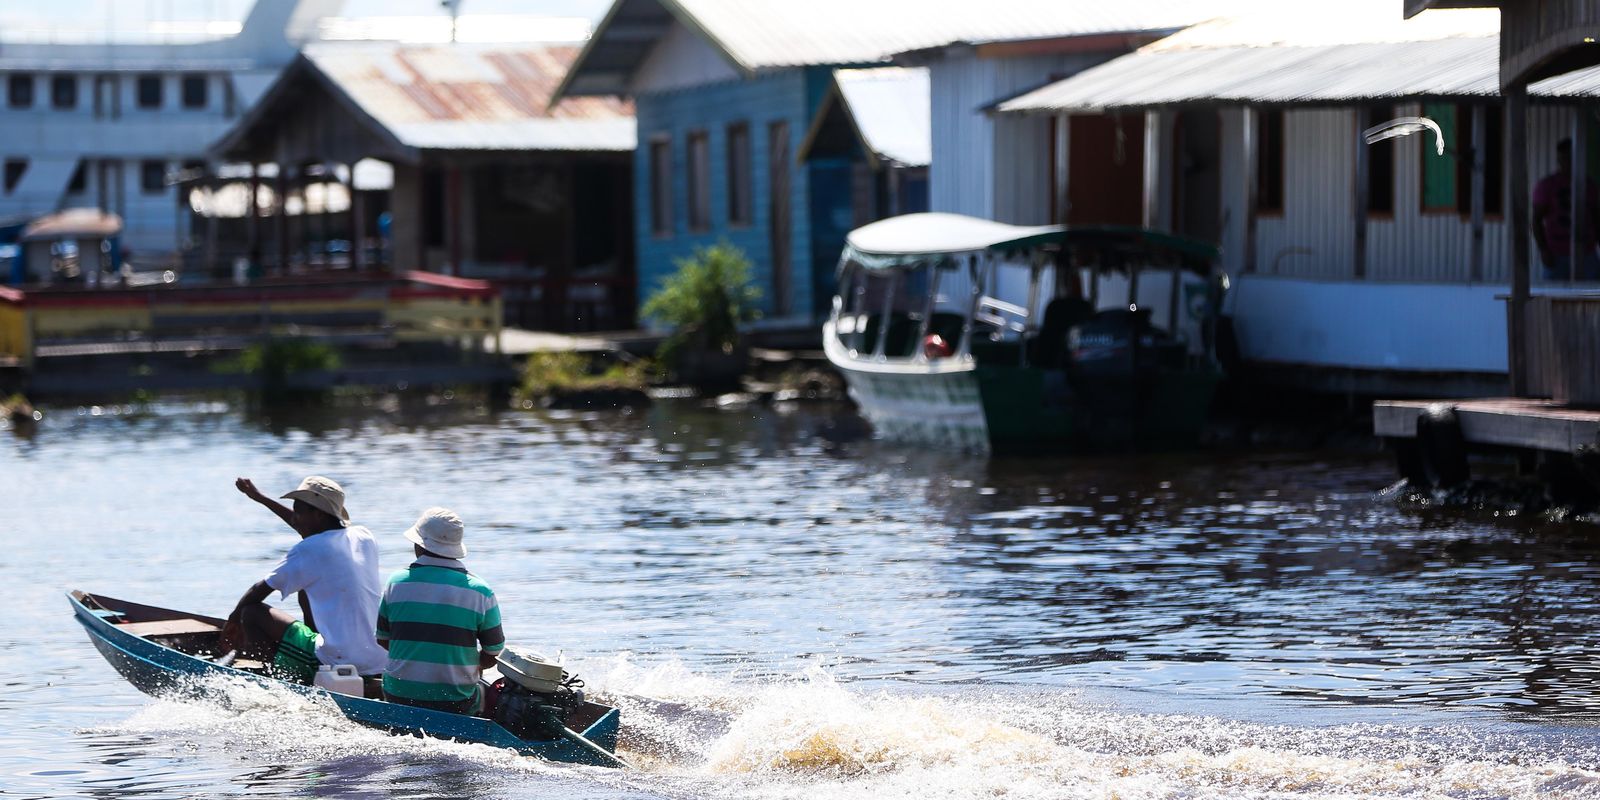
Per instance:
(980,335)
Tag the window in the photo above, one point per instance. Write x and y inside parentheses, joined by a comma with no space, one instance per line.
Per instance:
(661,186)
(1380,165)
(194,91)
(15,167)
(64,91)
(19,91)
(1439,178)
(739,210)
(699,181)
(153,177)
(1269,161)
(149,90)
(79,180)
(1494,159)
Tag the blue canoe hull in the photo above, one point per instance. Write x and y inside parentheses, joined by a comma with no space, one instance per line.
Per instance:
(157,669)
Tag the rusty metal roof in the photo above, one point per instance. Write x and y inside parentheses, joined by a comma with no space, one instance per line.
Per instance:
(754,35)
(473,97)
(1360,51)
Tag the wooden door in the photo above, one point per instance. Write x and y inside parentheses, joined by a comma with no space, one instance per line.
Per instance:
(1105,170)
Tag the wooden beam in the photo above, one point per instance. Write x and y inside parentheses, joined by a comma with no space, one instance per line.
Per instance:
(1480,141)
(1516,308)
(1359,194)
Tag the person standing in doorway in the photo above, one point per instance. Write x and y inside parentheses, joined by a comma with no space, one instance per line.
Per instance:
(1552,222)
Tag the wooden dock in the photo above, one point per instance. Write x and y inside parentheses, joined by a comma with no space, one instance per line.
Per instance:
(1498,421)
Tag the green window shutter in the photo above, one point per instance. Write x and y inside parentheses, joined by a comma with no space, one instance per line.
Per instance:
(1439,172)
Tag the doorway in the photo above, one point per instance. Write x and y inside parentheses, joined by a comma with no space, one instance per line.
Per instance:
(1197,175)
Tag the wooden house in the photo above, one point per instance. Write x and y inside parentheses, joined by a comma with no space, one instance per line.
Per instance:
(491,179)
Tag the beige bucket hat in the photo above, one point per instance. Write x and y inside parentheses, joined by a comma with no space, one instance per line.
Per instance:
(322,493)
(439,531)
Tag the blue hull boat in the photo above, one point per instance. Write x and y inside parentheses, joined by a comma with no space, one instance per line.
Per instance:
(164,652)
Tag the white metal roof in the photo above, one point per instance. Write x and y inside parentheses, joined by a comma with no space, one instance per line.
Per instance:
(754,35)
(890,108)
(910,237)
(1356,50)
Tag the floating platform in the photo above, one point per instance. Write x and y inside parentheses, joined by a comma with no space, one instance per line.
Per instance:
(1498,421)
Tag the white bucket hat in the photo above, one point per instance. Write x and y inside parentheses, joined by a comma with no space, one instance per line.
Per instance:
(322,493)
(439,531)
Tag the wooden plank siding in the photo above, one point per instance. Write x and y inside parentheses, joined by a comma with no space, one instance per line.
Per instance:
(781,95)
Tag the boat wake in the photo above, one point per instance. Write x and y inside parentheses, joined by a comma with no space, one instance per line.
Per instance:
(811,736)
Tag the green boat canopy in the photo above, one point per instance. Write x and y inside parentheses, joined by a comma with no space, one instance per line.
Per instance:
(915,239)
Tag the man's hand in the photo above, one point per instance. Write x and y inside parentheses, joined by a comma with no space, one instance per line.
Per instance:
(232,636)
(248,488)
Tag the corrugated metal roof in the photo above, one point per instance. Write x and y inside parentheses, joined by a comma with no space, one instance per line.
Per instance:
(890,106)
(770,34)
(1276,75)
(474,97)
(1359,50)
(780,33)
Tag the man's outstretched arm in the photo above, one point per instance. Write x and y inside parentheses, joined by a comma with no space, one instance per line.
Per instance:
(249,490)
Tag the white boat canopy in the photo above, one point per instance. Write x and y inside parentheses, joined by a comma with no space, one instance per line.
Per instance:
(919,238)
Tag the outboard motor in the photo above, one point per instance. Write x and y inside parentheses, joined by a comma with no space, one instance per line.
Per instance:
(535,695)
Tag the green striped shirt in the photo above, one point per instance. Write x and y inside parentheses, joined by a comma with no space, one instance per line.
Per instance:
(435,616)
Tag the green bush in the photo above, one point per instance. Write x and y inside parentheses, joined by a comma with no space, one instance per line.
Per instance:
(705,301)
(278,358)
(546,374)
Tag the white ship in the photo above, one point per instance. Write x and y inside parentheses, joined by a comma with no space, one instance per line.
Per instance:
(103,125)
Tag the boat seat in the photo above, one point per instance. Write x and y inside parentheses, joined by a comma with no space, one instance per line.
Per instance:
(168,627)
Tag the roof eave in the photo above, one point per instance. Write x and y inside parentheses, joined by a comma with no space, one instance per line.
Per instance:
(397,150)
(678,12)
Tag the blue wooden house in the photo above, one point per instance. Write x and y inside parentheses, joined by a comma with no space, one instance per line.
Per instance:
(726,91)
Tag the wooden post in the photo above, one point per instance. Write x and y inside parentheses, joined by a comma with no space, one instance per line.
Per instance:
(1362,190)
(1578,187)
(1480,151)
(1063,160)
(253,223)
(280,216)
(358,226)
(1152,169)
(211,228)
(1516,98)
(452,215)
(1247,140)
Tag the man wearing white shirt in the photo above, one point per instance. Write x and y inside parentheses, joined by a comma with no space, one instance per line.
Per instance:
(334,567)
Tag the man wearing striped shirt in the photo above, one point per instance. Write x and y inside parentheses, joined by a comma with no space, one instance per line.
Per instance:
(439,622)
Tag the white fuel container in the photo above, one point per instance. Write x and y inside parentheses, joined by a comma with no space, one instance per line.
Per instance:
(341,678)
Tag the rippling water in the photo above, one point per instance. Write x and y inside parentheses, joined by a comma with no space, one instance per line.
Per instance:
(783,611)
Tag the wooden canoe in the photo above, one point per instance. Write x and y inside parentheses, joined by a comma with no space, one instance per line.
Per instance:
(163,652)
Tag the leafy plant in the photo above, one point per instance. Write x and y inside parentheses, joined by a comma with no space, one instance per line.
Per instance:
(704,302)
(545,374)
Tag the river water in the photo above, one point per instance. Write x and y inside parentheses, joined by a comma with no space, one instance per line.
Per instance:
(784,610)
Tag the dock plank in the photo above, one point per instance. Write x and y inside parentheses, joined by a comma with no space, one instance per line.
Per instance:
(1501,421)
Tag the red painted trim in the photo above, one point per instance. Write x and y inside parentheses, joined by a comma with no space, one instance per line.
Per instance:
(447,281)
